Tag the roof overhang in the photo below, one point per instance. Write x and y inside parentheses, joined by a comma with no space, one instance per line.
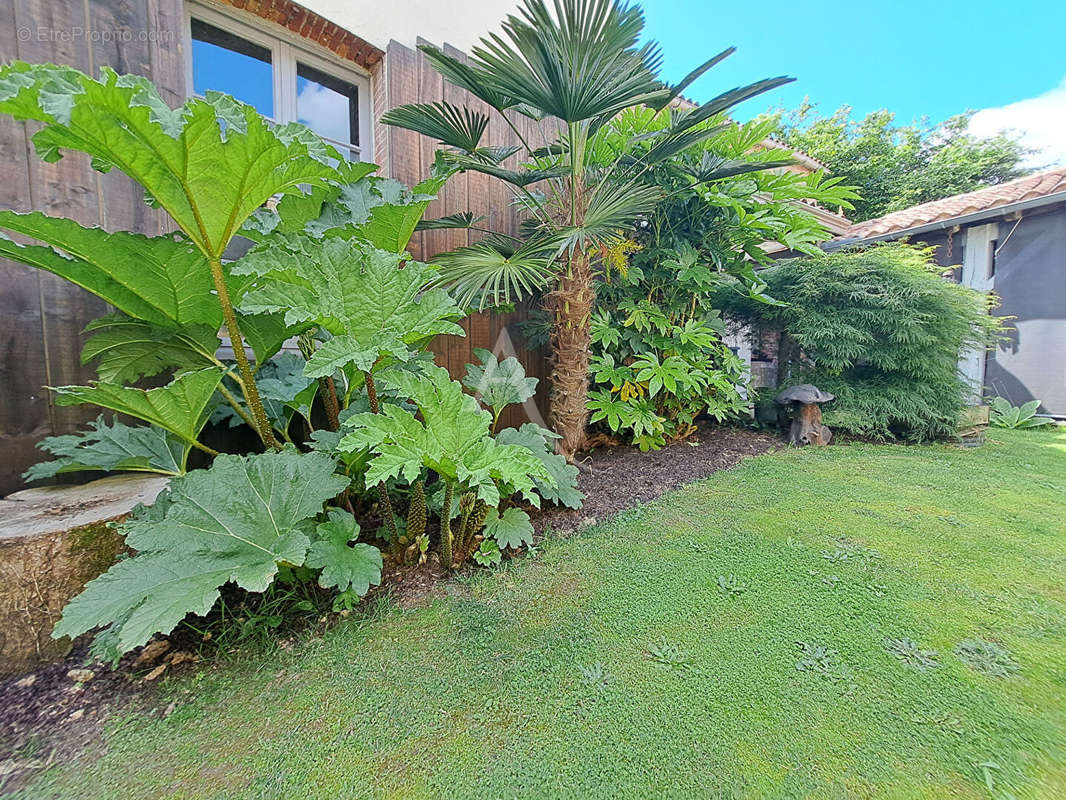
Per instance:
(961,220)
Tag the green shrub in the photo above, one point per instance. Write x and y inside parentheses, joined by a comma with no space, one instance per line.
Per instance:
(879,328)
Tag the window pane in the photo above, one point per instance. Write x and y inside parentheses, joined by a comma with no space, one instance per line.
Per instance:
(226,63)
(326,105)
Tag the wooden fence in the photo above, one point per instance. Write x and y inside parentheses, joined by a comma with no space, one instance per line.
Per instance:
(42,317)
(408,157)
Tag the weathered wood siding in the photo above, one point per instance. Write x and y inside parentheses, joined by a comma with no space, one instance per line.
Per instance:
(42,317)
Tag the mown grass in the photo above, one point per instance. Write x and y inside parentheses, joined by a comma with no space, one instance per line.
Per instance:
(541,680)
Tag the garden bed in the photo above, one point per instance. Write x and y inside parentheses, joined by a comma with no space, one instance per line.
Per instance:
(47,717)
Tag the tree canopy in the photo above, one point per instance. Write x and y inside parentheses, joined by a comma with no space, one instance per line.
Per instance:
(897,166)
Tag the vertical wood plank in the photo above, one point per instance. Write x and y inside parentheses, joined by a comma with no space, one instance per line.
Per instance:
(24,417)
(431,90)
(42,316)
(66,188)
(403,146)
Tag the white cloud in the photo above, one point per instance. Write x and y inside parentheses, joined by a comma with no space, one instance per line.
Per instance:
(1040,120)
(324,111)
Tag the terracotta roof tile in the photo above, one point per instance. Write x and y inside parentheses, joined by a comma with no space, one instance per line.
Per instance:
(1039,184)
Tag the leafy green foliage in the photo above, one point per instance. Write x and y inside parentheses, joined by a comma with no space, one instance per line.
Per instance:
(380,212)
(658,360)
(159,280)
(287,391)
(374,304)
(111,448)
(488,553)
(496,270)
(127,349)
(824,661)
(880,329)
(988,657)
(669,655)
(452,439)
(236,521)
(659,372)
(498,384)
(511,529)
(179,407)
(731,586)
(345,567)
(908,651)
(1004,415)
(898,166)
(562,486)
(574,66)
(328,268)
(210,164)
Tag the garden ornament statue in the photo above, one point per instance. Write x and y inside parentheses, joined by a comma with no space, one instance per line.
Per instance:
(807,427)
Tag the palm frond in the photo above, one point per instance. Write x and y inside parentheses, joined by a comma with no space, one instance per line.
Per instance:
(496,154)
(464,219)
(461,128)
(725,101)
(675,91)
(613,208)
(675,141)
(520,178)
(714,168)
(577,64)
(495,271)
(467,77)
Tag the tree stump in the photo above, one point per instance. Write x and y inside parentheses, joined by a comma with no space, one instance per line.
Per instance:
(807,426)
(53,540)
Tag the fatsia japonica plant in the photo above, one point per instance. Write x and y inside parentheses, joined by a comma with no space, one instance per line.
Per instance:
(573,67)
(658,356)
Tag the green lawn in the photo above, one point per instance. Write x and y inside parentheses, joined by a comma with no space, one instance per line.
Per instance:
(699,691)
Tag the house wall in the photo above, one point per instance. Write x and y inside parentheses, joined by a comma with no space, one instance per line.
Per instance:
(460,22)
(1030,280)
(42,317)
(1023,260)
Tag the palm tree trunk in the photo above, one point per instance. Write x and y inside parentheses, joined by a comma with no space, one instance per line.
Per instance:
(571,307)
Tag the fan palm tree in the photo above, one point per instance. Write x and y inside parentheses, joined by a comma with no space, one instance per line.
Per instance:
(573,67)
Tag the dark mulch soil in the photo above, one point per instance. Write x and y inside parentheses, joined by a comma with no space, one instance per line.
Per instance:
(48,716)
(617,478)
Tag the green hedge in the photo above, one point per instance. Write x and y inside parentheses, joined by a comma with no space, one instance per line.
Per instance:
(880,328)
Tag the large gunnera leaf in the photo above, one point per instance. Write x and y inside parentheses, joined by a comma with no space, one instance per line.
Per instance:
(562,488)
(210,164)
(128,349)
(452,439)
(236,521)
(498,384)
(161,280)
(179,407)
(373,303)
(344,566)
(111,448)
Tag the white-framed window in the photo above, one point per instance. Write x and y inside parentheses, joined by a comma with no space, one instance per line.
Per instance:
(288,79)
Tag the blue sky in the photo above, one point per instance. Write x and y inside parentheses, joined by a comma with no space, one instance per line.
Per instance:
(934,58)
